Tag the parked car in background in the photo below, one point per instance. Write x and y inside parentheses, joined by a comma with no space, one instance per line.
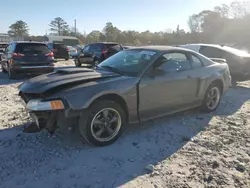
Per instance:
(67,40)
(95,53)
(60,50)
(131,86)
(27,58)
(72,51)
(3,46)
(237,60)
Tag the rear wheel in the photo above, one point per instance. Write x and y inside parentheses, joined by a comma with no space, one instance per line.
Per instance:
(77,62)
(212,98)
(102,123)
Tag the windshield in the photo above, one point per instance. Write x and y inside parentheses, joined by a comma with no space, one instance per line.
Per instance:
(32,48)
(236,51)
(129,62)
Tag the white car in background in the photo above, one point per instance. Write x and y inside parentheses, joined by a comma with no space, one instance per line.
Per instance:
(72,51)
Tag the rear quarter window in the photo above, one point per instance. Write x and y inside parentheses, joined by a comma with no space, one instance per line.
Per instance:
(32,48)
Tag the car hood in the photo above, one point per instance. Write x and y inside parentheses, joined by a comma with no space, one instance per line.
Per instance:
(64,78)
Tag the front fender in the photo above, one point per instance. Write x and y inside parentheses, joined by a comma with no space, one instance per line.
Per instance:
(81,102)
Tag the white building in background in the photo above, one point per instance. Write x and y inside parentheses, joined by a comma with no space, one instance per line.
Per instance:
(4,37)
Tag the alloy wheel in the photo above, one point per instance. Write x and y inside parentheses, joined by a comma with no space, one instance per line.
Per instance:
(213,98)
(106,124)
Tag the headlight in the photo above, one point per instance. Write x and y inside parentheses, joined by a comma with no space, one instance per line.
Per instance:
(38,105)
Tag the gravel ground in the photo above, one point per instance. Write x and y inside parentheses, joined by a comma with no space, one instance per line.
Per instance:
(189,149)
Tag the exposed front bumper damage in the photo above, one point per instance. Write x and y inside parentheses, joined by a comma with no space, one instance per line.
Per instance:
(48,118)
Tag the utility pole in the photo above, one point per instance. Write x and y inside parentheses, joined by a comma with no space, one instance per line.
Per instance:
(75,27)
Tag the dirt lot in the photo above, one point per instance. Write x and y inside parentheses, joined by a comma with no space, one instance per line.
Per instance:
(190,149)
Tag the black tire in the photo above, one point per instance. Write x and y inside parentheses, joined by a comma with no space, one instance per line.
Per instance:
(77,62)
(11,74)
(205,107)
(234,81)
(3,70)
(95,62)
(85,122)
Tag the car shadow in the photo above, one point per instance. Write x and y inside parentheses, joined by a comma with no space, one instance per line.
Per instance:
(41,160)
(4,80)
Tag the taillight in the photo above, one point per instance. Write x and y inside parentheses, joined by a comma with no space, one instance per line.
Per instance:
(67,49)
(54,50)
(51,54)
(104,52)
(17,55)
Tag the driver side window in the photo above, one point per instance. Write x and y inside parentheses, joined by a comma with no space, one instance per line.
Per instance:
(173,62)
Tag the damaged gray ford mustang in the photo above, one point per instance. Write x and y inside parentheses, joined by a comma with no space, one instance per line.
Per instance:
(134,85)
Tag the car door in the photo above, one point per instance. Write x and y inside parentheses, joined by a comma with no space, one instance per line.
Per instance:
(169,92)
(96,50)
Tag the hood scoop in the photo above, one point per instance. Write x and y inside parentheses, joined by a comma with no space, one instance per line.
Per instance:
(73,70)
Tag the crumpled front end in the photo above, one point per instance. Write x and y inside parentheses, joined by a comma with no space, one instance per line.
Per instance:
(47,114)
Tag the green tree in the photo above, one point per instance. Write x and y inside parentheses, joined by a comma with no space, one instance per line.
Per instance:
(59,26)
(19,29)
(194,23)
(93,36)
(110,32)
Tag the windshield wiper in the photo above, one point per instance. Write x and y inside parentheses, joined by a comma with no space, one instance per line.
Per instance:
(113,69)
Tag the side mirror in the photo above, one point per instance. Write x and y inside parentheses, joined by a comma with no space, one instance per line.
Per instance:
(157,72)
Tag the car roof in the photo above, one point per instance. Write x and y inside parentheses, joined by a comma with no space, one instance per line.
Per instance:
(25,42)
(201,44)
(160,48)
(104,43)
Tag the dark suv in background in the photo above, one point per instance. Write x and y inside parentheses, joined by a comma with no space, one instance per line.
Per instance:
(61,51)
(27,58)
(95,53)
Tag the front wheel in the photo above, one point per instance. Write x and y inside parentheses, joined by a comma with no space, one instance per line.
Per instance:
(212,98)
(102,124)
(77,62)
(11,74)
(95,62)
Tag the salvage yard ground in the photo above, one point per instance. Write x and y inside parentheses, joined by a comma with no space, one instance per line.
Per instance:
(190,149)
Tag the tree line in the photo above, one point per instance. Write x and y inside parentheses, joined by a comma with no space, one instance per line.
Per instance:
(227,23)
